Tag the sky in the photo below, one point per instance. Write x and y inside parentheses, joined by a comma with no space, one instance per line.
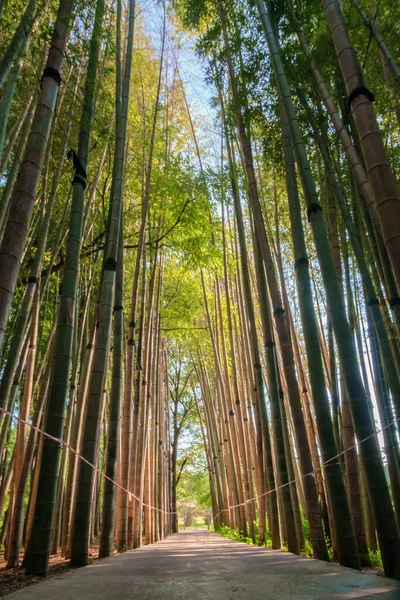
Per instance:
(198,94)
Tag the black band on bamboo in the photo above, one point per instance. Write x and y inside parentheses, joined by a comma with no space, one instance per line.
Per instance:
(393,302)
(80,172)
(79,179)
(373,301)
(118,307)
(131,342)
(89,346)
(72,387)
(110,264)
(257,366)
(279,311)
(53,73)
(301,261)
(269,344)
(32,279)
(231,413)
(131,324)
(304,391)
(358,91)
(237,401)
(314,207)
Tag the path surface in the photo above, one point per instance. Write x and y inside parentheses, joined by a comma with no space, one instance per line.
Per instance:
(196,565)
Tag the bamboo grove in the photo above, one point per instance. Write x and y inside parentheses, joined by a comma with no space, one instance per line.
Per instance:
(237,278)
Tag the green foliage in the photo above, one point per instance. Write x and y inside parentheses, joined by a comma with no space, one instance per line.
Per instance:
(307,549)
(374,558)
(194,486)
(234,535)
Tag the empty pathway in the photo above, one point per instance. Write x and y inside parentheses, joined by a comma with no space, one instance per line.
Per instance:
(196,565)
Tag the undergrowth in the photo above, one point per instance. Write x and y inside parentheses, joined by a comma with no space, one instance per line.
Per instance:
(235,535)
(372,559)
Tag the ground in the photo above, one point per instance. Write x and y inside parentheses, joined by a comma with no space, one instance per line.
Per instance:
(12,580)
(194,565)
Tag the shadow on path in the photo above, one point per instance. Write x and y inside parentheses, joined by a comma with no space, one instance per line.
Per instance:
(196,565)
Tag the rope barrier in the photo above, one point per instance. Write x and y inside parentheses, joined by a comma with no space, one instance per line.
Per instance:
(326,463)
(82,458)
(133,496)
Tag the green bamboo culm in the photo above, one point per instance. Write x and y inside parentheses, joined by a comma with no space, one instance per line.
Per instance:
(310,489)
(19,39)
(336,490)
(386,524)
(375,33)
(17,339)
(90,439)
(6,101)
(24,193)
(107,532)
(37,557)
(24,311)
(374,307)
(271,372)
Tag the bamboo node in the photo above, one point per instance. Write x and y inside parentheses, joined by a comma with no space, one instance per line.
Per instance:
(79,179)
(301,261)
(110,264)
(358,91)
(53,73)
(313,208)
(373,301)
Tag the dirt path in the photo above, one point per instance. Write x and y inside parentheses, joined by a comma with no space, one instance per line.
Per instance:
(196,565)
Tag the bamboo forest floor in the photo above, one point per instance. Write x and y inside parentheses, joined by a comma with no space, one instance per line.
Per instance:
(12,580)
(194,565)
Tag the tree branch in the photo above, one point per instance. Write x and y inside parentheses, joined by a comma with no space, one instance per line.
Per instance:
(181,469)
